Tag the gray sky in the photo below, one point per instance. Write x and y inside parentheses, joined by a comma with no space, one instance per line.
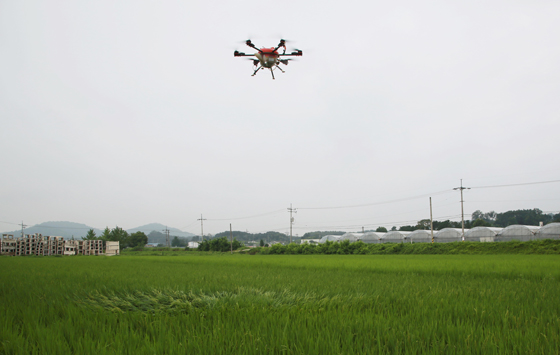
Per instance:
(131,112)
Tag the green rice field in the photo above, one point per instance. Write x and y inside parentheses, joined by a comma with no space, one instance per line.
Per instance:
(280,304)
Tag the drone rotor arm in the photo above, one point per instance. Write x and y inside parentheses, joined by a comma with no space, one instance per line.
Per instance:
(241,54)
(280,45)
(250,44)
(297,53)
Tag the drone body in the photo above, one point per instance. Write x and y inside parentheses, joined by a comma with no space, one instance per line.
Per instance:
(269,57)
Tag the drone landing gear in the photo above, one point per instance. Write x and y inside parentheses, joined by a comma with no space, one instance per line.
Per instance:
(272,71)
(255,73)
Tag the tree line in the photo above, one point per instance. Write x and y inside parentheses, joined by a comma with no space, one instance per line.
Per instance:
(117,234)
(222,244)
(247,237)
(530,217)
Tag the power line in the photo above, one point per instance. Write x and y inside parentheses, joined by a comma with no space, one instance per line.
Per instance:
(377,203)
(524,183)
(185,227)
(247,217)
(377,224)
(17,224)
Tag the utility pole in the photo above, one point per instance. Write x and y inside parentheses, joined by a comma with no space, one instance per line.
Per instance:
(22,227)
(294,210)
(231,238)
(166,237)
(431,221)
(461,188)
(201,227)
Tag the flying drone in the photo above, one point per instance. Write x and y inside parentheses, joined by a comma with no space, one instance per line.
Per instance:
(269,57)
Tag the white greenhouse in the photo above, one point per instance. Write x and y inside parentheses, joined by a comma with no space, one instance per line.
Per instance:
(482,234)
(449,235)
(394,237)
(517,232)
(372,237)
(420,236)
(330,238)
(351,237)
(550,231)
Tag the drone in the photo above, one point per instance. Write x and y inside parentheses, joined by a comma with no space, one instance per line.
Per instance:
(269,57)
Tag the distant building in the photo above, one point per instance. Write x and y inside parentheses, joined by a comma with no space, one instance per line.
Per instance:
(38,244)
(192,245)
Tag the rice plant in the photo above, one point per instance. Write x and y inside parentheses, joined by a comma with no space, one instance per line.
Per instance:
(278,304)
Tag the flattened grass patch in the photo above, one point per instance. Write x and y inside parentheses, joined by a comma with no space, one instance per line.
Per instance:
(176,301)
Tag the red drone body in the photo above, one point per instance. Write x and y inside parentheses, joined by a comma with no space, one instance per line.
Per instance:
(269,57)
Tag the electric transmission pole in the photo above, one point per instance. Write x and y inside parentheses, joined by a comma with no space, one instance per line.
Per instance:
(461,188)
(201,227)
(166,237)
(431,221)
(22,227)
(294,210)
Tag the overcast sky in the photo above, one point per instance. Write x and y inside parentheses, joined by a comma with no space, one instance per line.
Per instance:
(131,112)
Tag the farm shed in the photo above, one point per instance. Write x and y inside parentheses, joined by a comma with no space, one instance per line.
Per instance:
(516,232)
(482,234)
(330,238)
(372,237)
(550,231)
(449,235)
(420,236)
(394,237)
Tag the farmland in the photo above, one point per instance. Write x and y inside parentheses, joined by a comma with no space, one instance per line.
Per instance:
(289,304)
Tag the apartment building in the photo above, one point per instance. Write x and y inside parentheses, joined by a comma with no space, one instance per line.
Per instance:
(38,244)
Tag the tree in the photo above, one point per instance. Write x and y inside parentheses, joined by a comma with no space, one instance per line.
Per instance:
(176,242)
(477,215)
(137,239)
(381,229)
(106,234)
(480,222)
(262,243)
(219,244)
(488,216)
(524,217)
(90,235)
(423,224)
(394,228)
(118,234)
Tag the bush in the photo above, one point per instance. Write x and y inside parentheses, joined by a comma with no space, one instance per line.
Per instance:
(219,244)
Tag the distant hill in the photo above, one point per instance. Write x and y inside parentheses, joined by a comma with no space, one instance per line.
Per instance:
(157,227)
(62,229)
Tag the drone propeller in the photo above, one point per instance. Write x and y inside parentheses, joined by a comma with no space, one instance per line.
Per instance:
(250,44)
